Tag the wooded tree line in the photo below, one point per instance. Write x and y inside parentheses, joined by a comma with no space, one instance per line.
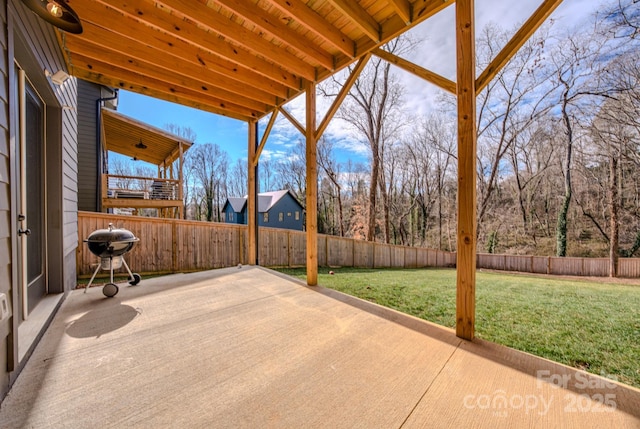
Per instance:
(558,151)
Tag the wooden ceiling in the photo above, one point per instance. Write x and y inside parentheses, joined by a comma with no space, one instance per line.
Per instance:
(140,141)
(237,58)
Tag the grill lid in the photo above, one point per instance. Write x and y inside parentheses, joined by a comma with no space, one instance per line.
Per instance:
(110,242)
(111,235)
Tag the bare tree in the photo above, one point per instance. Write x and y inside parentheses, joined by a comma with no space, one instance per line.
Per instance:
(373,108)
(211,165)
(331,168)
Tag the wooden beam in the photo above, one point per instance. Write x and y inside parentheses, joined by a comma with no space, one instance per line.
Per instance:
(252,188)
(421,72)
(278,29)
(293,121)
(114,82)
(516,42)
(466,240)
(344,91)
(161,87)
(219,24)
(359,17)
(312,186)
(265,136)
(186,74)
(309,19)
(403,9)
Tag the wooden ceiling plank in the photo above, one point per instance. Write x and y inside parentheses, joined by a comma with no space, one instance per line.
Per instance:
(517,41)
(434,78)
(403,9)
(125,77)
(241,36)
(272,25)
(171,35)
(309,19)
(84,51)
(359,17)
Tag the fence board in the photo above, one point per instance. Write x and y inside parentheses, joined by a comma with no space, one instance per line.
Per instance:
(339,252)
(628,267)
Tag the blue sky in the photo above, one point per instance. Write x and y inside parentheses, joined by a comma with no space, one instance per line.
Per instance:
(435,54)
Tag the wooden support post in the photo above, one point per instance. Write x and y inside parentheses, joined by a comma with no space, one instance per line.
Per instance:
(312,187)
(252,244)
(466,241)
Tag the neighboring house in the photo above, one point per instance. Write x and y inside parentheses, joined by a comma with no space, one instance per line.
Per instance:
(277,209)
(38,221)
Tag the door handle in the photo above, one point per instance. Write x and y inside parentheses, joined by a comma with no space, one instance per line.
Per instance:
(26,232)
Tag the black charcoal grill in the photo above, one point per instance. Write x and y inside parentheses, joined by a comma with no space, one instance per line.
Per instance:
(110,245)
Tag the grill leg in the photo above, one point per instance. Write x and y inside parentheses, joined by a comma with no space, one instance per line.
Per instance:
(111,267)
(127,267)
(92,277)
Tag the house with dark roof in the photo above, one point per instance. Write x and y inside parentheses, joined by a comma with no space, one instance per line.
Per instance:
(276,209)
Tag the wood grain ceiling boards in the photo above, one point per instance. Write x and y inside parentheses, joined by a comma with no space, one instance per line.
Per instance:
(237,58)
(129,137)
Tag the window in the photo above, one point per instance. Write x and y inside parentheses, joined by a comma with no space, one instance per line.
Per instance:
(280,216)
(297,215)
(231,216)
(265,217)
(289,214)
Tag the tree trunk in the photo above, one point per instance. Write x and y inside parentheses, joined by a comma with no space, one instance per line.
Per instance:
(561,228)
(613,207)
(373,189)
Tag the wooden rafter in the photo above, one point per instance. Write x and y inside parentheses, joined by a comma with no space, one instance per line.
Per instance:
(434,78)
(311,21)
(271,25)
(359,16)
(403,8)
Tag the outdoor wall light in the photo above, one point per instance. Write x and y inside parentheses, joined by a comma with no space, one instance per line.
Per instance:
(141,145)
(58,77)
(57,13)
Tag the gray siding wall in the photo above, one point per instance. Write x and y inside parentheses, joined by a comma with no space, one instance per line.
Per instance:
(88,93)
(33,42)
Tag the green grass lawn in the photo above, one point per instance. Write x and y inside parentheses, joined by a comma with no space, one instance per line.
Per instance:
(587,325)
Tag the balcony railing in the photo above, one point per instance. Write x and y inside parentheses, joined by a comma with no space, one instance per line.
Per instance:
(137,192)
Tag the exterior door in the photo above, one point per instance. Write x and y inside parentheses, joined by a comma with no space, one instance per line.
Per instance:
(32,225)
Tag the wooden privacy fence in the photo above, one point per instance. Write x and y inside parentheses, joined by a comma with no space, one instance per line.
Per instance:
(172,245)
(595,267)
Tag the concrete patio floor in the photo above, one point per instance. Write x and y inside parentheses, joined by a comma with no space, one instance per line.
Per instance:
(252,348)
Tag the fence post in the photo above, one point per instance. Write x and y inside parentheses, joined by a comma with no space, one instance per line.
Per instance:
(174,246)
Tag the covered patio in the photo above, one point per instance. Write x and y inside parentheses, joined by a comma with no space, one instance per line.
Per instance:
(249,347)
(248,60)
